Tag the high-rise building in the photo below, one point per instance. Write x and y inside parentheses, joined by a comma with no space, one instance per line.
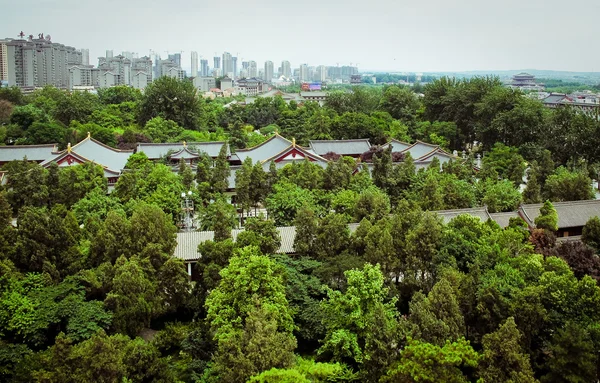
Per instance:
(204,68)
(85,56)
(114,71)
(321,73)
(128,55)
(252,69)
(303,75)
(141,67)
(3,60)
(176,58)
(39,62)
(109,54)
(227,64)
(235,67)
(194,64)
(286,69)
(268,73)
(217,62)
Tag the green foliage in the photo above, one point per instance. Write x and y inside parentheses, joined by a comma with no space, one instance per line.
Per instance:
(351,318)
(285,200)
(424,362)
(161,130)
(591,233)
(503,359)
(500,196)
(565,185)
(548,218)
(170,99)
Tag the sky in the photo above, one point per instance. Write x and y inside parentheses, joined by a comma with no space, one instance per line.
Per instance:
(383,35)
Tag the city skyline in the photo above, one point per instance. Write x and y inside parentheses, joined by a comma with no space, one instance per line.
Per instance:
(429,36)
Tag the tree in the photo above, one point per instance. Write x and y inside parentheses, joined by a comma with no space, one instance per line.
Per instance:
(351,318)
(572,356)
(500,196)
(219,216)
(400,102)
(161,130)
(285,200)
(133,298)
(186,175)
(503,359)
(261,233)
(250,316)
(373,204)
(565,185)
(548,218)
(119,94)
(170,99)
(306,224)
(438,317)
(220,172)
(243,178)
(332,236)
(533,190)
(591,233)
(424,362)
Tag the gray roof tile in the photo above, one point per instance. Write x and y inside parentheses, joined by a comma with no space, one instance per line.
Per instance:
(341,147)
(36,153)
(570,214)
(156,151)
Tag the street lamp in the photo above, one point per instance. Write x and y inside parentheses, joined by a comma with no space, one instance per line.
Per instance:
(187,222)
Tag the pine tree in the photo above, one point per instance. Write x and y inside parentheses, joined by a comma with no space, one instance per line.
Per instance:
(503,357)
(221,172)
(532,193)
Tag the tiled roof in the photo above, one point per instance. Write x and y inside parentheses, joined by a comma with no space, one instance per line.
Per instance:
(269,148)
(184,153)
(397,146)
(419,149)
(36,153)
(156,151)
(503,219)
(341,147)
(555,98)
(570,214)
(101,154)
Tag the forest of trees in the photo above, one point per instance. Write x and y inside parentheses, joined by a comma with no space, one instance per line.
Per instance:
(90,291)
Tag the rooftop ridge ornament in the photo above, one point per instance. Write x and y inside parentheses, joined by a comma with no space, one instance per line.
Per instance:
(184,144)
(293,142)
(69,147)
(89,135)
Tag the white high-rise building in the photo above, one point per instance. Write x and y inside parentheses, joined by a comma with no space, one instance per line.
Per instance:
(286,69)
(227,64)
(3,60)
(303,74)
(85,56)
(268,73)
(39,62)
(194,64)
(252,69)
(321,73)
(203,68)
(109,54)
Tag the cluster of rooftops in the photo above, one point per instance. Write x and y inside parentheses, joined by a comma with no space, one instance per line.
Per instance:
(572,216)
(276,149)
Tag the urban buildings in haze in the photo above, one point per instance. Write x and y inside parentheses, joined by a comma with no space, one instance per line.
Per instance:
(3,61)
(252,69)
(203,68)
(286,69)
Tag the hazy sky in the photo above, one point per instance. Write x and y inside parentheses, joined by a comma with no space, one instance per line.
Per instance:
(394,35)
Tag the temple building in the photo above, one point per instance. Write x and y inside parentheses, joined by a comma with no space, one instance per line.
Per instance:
(525,82)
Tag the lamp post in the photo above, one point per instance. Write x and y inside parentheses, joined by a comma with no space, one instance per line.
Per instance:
(187,212)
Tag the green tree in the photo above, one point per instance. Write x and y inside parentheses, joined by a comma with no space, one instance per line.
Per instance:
(532,193)
(591,233)
(572,356)
(161,130)
(261,233)
(350,320)
(220,173)
(170,99)
(400,102)
(565,185)
(438,317)
(500,196)
(250,317)
(285,200)
(220,217)
(503,359)
(424,362)
(548,218)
